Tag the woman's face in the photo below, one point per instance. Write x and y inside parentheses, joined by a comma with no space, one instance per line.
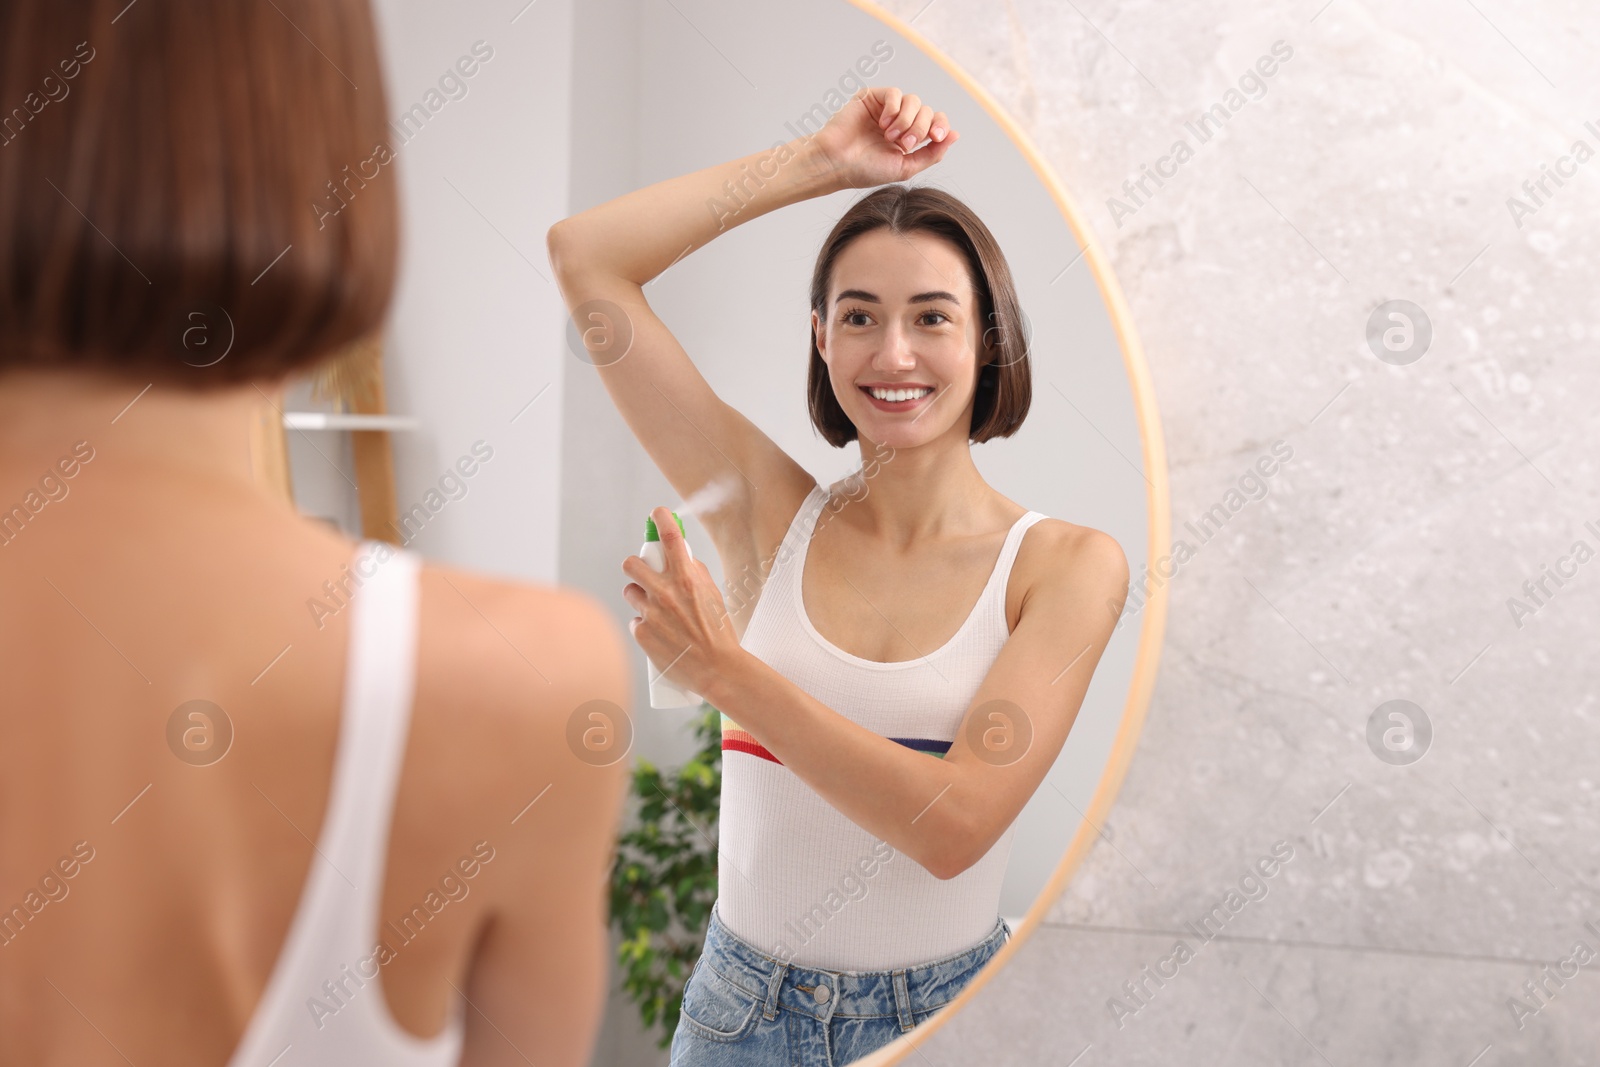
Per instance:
(901,314)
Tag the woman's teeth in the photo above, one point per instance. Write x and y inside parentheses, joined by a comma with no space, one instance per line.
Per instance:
(894,395)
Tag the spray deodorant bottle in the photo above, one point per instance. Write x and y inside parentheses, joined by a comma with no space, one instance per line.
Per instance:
(663,694)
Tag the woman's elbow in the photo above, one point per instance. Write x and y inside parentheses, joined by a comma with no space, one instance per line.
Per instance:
(560,247)
(952,857)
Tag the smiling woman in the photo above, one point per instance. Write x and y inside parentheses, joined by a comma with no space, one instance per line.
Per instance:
(842,735)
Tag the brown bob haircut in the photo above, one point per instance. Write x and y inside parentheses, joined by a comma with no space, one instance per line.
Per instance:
(1005,383)
(178,174)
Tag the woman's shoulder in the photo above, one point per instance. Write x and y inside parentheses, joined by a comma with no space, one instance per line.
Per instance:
(505,669)
(521,647)
(1058,551)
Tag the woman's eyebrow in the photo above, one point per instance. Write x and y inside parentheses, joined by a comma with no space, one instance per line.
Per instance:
(918,298)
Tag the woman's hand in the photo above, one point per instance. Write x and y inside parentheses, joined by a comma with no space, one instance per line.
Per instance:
(869,141)
(683,623)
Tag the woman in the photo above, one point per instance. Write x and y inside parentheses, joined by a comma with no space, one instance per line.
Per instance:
(234,829)
(888,709)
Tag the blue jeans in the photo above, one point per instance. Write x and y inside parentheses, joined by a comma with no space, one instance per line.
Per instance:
(742,1006)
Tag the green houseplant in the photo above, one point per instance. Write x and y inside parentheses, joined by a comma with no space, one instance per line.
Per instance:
(664,880)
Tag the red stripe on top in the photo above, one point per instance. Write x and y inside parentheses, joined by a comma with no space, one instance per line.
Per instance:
(739,744)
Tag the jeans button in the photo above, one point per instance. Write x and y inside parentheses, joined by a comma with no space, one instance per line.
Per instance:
(822,993)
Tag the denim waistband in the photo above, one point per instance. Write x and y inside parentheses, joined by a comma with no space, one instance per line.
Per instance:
(826,994)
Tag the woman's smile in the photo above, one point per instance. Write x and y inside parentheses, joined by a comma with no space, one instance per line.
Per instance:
(903,399)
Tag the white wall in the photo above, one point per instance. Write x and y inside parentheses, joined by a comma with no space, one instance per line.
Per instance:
(475,330)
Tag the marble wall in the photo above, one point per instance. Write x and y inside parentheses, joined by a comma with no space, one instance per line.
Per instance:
(1431,539)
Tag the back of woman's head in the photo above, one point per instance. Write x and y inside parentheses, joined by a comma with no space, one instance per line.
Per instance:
(191,190)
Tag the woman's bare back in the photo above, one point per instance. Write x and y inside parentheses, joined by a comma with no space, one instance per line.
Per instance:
(146,895)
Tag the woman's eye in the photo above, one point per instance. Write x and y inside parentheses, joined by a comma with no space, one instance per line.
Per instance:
(861,318)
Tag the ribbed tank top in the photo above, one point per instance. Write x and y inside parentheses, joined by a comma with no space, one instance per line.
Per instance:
(324,1004)
(798,879)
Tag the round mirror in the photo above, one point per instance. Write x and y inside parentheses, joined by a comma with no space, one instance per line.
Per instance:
(711,83)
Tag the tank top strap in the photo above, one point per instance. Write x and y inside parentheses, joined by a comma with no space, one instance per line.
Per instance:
(804,523)
(380,681)
(999,578)
(320,998)
(1013,545)
(802,527)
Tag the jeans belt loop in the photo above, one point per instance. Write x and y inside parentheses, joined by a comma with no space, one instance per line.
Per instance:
(902,1001)
(769,1010)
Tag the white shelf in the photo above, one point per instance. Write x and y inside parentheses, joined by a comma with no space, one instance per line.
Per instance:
(333,420)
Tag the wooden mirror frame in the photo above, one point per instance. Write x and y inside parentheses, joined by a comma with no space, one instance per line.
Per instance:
(355,378)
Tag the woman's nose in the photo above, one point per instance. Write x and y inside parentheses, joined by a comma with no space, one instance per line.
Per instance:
(895,352)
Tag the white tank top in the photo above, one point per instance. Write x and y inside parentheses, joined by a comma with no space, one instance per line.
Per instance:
(323,1003)
(798,879)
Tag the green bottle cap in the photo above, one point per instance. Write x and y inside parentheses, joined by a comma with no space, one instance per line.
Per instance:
(652,534)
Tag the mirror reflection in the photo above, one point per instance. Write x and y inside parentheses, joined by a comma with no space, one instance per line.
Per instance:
(736,303)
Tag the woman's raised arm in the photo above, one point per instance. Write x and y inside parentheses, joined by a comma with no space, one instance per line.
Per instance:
(604,256)
(602,259)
